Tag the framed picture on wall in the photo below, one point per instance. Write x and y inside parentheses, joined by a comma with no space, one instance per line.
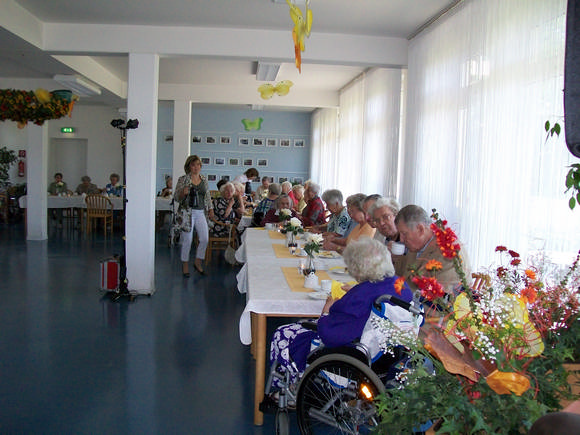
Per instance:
(262,162)
(205,160)
(219,161)
(226,177)
(298,180)
(225,140)
(282,179)
(196,139)
(284,142)
(243,141)
(211,177)
(234,162)
(299,143)
(271,142)
(210,139)
(258,142)
(248,162)
(271,179)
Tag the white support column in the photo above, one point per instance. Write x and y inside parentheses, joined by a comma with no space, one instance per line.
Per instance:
(181,136)
(141,161)
(36,181)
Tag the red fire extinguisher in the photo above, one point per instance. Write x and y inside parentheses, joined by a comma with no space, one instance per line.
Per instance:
(21,167)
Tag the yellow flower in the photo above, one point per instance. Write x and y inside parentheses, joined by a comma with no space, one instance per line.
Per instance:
(433,265)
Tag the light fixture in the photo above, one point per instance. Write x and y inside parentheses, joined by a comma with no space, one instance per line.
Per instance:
(267,72)
(78,85)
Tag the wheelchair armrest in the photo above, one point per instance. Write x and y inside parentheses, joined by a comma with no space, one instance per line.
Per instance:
(309,324)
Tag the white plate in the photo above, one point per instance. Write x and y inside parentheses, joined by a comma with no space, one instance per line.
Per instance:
(318,295)
(328,254)
(339,271)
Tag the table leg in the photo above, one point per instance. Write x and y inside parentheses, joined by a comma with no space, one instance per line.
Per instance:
(260,367)
(253,322)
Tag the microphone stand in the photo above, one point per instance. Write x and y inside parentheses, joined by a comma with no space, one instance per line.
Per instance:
(123,282)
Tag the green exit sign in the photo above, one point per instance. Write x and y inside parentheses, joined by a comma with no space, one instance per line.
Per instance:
(67,129)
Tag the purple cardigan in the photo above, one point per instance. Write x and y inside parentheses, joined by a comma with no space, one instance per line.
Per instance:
(346,318)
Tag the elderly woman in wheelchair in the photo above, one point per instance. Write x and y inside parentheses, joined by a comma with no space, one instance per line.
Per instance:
(338,361)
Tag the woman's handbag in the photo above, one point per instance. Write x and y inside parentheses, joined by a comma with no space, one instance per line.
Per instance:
(230,252)
(183,219)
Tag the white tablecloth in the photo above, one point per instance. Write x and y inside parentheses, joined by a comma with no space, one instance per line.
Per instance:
(263,281)
(78,201)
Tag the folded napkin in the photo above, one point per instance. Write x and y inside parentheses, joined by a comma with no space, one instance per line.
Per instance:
(336,290)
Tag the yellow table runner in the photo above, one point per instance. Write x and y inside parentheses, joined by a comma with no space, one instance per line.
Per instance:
(296,280)
(282,251)
(276,235)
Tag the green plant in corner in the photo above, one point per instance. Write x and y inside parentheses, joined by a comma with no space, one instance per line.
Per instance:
(7,158)
(573,175)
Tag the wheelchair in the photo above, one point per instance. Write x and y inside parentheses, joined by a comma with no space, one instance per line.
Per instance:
(337,391)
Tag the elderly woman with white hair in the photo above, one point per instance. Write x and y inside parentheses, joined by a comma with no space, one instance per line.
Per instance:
(339,220)
(342,320)
(226,210)
(297,195)
(314,212)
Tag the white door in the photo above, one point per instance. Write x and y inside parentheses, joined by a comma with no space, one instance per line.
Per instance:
(68,156)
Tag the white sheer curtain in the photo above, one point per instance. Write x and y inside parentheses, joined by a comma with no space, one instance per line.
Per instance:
(481,83)
(361,154)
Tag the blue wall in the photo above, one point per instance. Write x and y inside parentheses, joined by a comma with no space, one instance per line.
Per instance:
(225,125)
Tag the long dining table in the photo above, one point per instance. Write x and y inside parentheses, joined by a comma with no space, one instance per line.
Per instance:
(78,201)
(263,278)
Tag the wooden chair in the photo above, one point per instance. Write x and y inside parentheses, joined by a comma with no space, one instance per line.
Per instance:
(99,207)
(221,243)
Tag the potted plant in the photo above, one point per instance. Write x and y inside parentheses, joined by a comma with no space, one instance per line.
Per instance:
(7,158)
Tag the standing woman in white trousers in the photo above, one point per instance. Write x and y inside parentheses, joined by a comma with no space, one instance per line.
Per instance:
(192,194)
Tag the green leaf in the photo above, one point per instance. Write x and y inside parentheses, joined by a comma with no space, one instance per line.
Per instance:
(556,129)
(547,125)
(572,203)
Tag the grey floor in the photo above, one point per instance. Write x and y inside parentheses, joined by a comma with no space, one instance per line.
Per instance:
(72,361)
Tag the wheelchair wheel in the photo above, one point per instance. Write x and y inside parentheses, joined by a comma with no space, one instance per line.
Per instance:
(336,395)
(282,422)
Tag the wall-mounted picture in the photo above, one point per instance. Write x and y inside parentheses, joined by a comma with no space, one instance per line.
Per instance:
(248,162)
(284,142)
(211,177)
(271,179)
(210,139)
(226,177)
(282,179)
(298,180)
(271,142)
(225,140)
(219,161)
(234,162)
(262,162)
(205,160)
(196,139)
(299,143)
(243,141)
(258,142)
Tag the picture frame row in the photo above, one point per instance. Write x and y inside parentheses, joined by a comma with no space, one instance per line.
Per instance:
(250,141)
(294,180)
(234,161)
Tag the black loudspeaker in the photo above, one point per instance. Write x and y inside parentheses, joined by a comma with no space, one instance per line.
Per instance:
(572,78)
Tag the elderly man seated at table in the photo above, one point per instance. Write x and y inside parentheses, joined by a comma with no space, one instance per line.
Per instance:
(339,220)
(414,226)
(354,206)
(343,320)
(266,204)
(57,187)
(314,212)
(273,215)
(86,186)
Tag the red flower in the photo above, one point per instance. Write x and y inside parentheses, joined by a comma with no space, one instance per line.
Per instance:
(515,262)
(514,254)
(429,286)
(500,249)
(501,271)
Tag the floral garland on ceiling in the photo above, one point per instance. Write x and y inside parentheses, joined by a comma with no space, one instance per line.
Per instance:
(35,106)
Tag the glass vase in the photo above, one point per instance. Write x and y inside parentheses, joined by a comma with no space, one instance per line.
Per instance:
(290,239)
(310,268)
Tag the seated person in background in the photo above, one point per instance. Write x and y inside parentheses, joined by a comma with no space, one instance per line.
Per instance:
(168,189)
(354,206)
(383,213)
(262,190)
(314,212)
(287,189)
(339,220)
(224,211)
(273,215)
(342,321)
(241,193)
(266,204)
(57,186)
(414,226)
(367,204)
(114,188)
(86,186)
(297,195)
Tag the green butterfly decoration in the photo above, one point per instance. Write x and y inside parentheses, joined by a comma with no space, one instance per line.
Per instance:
(250,124)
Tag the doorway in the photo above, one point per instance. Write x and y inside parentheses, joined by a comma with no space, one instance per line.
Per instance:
(68,156)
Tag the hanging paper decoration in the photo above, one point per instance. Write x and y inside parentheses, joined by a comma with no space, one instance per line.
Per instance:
(301,29)
(268,90)
(252,124)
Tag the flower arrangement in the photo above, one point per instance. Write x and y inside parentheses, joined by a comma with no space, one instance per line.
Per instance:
(292,225)
(285,215)
(498,349)
(313,244)
(34,106)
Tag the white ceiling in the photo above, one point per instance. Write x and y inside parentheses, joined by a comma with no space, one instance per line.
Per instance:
(374,18)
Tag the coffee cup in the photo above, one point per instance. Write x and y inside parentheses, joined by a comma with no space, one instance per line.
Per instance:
(311,281)
(397,248)
(326,285)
